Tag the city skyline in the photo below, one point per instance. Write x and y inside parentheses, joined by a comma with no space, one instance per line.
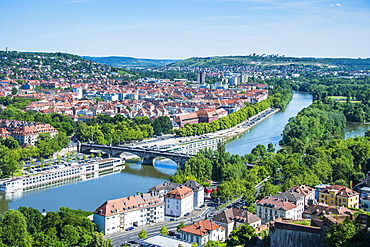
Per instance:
(183,29)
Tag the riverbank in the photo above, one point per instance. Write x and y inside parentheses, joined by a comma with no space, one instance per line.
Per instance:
(246,125)
(226,134)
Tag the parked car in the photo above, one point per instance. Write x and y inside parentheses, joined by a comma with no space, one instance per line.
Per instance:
(130,228)
(171,233)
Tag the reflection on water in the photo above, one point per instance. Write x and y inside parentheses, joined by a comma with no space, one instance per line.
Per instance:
(355,129)
(91,193)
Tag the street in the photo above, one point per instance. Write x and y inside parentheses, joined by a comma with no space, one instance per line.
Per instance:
(124,237)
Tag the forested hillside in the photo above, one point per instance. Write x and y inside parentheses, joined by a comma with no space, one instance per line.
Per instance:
(255,60)
(130,62)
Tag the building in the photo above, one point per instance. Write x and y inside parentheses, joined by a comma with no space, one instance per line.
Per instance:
(26,133)
(233,217)
(163,241)
(270,208)
(339,195)
(201,77)
(190,118)
(132,211)
(203,231)
(179,201)
(209,115)
(288,233)
(295,198)
(316,212)
(307,192)
(365,199)
(319,188)
(198,195)
(4,133)
(162,189)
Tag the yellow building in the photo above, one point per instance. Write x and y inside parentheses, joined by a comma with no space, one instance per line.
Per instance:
(339,195)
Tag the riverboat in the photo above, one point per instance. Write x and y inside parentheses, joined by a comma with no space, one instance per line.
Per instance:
(59,173)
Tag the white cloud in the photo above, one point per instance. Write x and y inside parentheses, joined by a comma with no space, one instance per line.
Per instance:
(336,5)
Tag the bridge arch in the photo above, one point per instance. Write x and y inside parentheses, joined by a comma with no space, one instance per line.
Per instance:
(147,156)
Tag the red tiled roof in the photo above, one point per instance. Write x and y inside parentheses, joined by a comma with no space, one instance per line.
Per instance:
(277,203)
(202,227)
(303,189)
(129,203)
(340,190)
(180,192)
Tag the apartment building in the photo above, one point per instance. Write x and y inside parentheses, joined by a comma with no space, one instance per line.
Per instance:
(203,231)
(26,133)
(339,195)
(270,208)
(132,211)
(234,217)
(179,201)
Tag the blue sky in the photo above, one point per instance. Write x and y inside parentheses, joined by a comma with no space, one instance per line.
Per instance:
(185,28)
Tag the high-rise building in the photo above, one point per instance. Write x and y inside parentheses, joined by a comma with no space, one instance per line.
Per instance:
(201,77)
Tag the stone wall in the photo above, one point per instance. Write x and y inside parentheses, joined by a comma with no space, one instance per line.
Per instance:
(293,235)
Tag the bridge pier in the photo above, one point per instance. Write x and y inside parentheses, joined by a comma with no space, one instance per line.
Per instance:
(147,161)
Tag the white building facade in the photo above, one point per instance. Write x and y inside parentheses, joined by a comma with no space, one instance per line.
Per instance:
(133,211)
(203,231)
(270,208)
(179,201)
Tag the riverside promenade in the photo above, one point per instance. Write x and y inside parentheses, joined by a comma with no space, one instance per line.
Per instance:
(226,134)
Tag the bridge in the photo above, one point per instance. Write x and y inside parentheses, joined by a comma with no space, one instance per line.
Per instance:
(147,156)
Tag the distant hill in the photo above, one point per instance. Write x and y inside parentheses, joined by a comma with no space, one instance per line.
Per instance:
(218,61)
(130,62)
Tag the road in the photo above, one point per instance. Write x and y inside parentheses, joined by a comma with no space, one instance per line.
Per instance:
(123,237)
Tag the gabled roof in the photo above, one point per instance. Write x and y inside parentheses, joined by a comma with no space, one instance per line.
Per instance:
(201,228)
(180,192)
(291,196)
(276,203)
(194,185)
(303,190)
(322,209)
(340,190)
(126,204)
(236,215)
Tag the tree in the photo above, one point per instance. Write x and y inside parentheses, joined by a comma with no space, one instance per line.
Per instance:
(212,243)
(338,234)
(33,218)
(162,125)
(194,245)
(70,235)
(242,235)
(8,165)
(268,189)
(14,229)
(14,91)
(100,241)
(270,148)
(142,234)
(163,231)
(181,225)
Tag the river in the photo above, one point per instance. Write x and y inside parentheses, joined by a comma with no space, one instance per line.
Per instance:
(90,194)
(269,130)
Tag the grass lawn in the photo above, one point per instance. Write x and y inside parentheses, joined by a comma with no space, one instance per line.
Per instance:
(303,222)
(343,99)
